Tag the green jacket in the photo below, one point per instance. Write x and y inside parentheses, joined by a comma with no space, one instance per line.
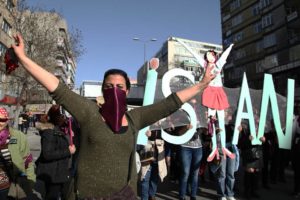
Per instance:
(19,150)
(104,156)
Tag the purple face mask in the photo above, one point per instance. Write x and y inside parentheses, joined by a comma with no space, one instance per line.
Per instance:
(4,134)
(114,107)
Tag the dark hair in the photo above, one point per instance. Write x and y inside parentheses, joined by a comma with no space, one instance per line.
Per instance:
(117,72)
(210,51)
(55,116)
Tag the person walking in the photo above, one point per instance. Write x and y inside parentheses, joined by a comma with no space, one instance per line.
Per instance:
(252,162)
(53,163)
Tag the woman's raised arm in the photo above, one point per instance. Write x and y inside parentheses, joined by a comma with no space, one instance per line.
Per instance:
(47,79)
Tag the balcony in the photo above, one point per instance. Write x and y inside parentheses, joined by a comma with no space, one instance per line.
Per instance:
(288,66)
(62,66)
(60,63)
(292,16)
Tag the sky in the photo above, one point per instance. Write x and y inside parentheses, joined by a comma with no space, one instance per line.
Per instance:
(109,26)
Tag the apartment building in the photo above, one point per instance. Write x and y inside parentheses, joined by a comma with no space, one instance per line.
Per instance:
(62,59)
(66,66)
(8,87)
(6,9)
(266,34)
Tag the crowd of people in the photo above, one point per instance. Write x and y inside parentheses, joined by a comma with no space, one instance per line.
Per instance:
(53,170)
(95,159)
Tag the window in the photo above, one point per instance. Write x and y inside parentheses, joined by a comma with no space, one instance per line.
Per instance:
(257,27)
(69,67)
(270,61)
(259,46)
(237,20)
(237,72)
(6,27)
(240,54)
(228,41)
(2,49)
(208,47)
(256,9)
(235,4)
(264,3)
(267,63)
(228,32)
(219,48)
(9,5)
(266,20)
(259,66)
(238,37)
(269,40)
(226,17)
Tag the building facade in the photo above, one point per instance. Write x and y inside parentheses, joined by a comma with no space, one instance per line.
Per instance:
(65,65)
(8,87)
(266,34)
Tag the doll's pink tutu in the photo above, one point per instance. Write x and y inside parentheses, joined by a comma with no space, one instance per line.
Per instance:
(215,98)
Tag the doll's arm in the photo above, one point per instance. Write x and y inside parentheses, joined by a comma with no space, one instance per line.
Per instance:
(222,60)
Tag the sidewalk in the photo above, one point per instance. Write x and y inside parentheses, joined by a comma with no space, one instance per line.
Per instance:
(34,141)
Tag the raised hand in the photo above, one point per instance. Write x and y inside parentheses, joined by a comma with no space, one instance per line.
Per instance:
(19,47)
(72,149)
(208,76)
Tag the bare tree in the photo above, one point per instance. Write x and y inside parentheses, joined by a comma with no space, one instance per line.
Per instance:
(44,42)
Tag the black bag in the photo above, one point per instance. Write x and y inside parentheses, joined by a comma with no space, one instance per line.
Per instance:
(253,153)
(146,157)
(217,161)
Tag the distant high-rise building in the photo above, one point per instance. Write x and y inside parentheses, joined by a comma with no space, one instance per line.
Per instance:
(266,34)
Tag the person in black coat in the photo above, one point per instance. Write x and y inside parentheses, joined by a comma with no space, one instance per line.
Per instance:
(53,164)
(252,161)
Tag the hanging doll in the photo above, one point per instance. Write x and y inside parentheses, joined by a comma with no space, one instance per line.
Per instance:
(214,96)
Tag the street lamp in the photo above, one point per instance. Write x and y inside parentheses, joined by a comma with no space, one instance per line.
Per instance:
(144,43)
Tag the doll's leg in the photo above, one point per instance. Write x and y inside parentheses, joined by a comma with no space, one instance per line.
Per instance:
(215,151)
(221,120)
(211,112)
